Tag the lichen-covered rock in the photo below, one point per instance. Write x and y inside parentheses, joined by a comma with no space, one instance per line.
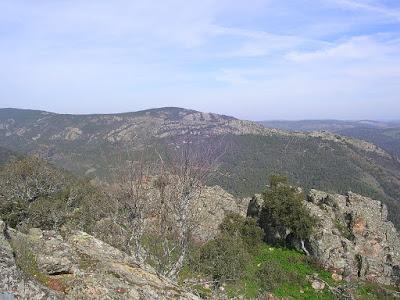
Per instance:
(78,266)
(14,284)
(53,255)
(354,238)
(210,209)
(110,273)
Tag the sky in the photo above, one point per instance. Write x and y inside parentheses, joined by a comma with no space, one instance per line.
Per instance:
(253,59)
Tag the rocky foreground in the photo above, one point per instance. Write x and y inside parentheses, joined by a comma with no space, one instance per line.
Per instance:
(353,240)
(75,266)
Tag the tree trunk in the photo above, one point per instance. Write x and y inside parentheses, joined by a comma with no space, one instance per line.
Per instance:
(303,247)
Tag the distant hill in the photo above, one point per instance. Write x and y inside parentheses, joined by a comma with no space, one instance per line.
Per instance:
(95,145)
(384,134)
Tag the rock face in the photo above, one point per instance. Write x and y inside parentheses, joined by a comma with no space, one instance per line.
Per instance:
(13,283)
(77,266)
(212,206)
(354,237)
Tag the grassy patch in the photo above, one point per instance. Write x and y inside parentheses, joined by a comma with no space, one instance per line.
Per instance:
(372,291)
(280,271)
(283,272)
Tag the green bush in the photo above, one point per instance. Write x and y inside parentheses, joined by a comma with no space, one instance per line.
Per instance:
(283,209)
(13,212)
(225,257)
(244,228)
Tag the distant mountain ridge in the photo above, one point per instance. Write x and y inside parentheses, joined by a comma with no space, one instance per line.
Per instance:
(162,122)
(329,124)
(92,145)
(385,134)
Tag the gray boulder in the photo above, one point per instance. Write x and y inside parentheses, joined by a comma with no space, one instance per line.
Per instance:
(14,284)
(77,266)
(211,207)
(354,238)
(53,255)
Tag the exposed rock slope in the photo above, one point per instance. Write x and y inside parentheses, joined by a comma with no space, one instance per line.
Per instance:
(354,237)
(78,266)
(13,282)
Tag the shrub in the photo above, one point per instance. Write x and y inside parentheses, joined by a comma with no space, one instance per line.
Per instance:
(13,212)
(224,258)
(34,193)
(244,228)
(282,211)
(29,179)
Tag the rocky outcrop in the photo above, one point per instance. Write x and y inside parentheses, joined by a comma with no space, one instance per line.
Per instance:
(211,208)
(77,266)
(356,143)
(353,237)
(14,284)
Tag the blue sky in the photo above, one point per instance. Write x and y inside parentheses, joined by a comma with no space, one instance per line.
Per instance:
(254,59)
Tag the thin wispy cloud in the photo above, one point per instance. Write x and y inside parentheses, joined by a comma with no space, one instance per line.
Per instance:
(370,6)
(123,55)
(353,50)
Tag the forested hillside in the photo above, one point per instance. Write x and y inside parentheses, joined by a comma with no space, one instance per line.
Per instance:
(6,155)
(384,134)
(96,145)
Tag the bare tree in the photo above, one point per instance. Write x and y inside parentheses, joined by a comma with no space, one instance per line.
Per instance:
(182,178)
(133,200)
(156,200)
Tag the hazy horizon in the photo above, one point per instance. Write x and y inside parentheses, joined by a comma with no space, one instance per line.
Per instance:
(259,60)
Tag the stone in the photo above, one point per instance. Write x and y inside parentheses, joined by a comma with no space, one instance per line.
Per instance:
(79,266)
(212,206)
(54,255)
(270,296)
(353,237)
(337,277)
(359,225)
(254,206)
(317,285)
(13,283)
(54,265)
